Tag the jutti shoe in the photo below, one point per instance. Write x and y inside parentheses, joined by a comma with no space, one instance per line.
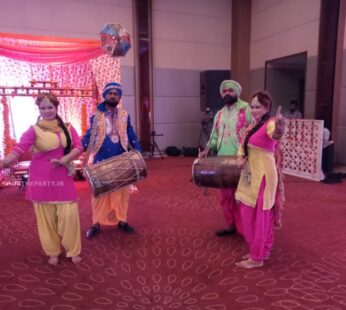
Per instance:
(249,264)
(126,227)
(92,231)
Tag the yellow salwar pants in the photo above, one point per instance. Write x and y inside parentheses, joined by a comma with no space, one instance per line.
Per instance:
(111,208)
(58,224)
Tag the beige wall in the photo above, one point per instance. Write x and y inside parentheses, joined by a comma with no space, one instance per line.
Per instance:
(192,34)
(188,37)
(282,28)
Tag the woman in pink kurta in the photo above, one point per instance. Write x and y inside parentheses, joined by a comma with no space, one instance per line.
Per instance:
(50,186)
(257,191)
(47,182)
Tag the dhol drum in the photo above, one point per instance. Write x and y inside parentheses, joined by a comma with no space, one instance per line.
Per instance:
(216,171)
(116,172)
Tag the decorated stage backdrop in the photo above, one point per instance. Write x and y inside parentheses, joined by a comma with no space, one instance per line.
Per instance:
(72,64)
(302,148)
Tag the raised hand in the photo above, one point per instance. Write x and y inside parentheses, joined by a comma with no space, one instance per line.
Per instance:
(279,118)
(278,111)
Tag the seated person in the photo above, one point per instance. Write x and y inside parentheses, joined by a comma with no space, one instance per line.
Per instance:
(293,110)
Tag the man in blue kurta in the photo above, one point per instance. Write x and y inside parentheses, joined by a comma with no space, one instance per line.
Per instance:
(228,127)
(109,135)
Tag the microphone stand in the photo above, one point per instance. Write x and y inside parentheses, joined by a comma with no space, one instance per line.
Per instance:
(154,145)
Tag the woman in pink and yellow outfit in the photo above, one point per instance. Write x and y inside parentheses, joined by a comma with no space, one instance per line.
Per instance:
(260,182)
(50,187)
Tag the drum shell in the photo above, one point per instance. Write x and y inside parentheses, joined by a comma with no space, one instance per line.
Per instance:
(116,172)
(216,171)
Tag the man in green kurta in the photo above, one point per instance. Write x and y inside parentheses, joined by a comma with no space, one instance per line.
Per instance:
(228,127)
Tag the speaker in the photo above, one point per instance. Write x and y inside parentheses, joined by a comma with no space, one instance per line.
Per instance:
(210,88)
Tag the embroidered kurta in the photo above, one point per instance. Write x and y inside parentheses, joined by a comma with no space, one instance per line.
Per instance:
(110,128)
(261,161)
(228,128)
(47,183)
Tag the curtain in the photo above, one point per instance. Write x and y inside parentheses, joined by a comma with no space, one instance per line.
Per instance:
(52,50)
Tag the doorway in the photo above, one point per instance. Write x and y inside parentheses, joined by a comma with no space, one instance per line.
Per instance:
(285,81)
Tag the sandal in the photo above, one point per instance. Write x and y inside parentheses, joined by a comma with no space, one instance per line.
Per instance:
(76,259)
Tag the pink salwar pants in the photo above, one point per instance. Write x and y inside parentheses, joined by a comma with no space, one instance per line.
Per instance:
(258,227)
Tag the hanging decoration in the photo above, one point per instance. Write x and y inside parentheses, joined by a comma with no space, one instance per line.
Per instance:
(115,40)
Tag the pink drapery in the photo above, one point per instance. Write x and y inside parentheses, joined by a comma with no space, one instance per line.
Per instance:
(52,50)
(73,63)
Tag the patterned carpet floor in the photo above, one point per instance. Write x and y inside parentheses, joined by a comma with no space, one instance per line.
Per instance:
(174,260)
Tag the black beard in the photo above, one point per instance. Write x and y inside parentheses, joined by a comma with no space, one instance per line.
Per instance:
(111,102)
(229,99)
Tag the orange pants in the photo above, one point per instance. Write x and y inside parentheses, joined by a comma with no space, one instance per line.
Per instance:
(111,208)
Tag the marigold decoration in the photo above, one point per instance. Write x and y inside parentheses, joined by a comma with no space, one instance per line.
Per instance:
(84,116)
(7,143)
